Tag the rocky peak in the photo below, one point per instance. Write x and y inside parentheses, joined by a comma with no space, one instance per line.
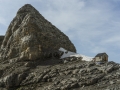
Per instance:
(27,8)
(30,35)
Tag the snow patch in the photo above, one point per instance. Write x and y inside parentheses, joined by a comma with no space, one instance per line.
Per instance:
(66,53)
(73,54)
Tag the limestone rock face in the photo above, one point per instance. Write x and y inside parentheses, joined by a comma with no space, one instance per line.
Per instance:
(29,35)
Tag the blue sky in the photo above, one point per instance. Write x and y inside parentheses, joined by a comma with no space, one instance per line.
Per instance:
(92,25)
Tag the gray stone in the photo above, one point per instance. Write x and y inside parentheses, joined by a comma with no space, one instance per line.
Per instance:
(3,88)
(75,71)
(111,82)
(30,35)
(65,61)
(12,80)
(60,77)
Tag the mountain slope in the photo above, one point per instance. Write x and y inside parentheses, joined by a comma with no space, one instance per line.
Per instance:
(53,75)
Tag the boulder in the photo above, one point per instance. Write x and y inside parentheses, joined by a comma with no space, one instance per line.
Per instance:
(30,35)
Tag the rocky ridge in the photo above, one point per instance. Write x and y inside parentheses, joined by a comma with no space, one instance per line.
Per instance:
(52,74)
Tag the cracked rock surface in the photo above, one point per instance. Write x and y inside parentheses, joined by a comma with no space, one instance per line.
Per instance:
(30,35)
(51,74)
